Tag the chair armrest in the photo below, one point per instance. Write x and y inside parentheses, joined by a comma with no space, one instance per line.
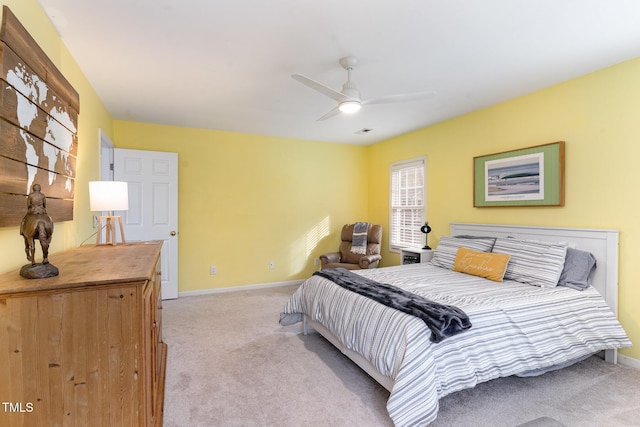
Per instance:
(330,258)
(370,261)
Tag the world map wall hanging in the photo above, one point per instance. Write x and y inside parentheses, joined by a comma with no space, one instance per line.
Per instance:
(38,127)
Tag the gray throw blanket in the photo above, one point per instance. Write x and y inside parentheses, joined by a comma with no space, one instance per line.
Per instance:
(443,320)
(359,239)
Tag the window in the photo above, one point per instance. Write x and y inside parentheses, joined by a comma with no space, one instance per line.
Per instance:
(407,201)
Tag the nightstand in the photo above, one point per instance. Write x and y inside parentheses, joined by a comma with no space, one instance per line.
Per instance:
(415,255)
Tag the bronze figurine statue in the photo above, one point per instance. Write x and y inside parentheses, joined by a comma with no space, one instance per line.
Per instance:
(37,225)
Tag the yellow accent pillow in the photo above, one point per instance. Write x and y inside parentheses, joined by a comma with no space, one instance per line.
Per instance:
(489,265)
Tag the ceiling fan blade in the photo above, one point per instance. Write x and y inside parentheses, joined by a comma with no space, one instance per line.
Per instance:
(404,97)
(325,90)
(330,114)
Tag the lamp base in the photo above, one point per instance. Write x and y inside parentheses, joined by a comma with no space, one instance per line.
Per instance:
(110,230)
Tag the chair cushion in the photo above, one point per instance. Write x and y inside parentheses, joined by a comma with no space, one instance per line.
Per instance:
(342,265)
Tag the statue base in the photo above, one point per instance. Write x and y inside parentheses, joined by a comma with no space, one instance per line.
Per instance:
(38,271)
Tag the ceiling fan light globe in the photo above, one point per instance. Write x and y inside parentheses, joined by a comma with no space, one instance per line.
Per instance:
(349,107)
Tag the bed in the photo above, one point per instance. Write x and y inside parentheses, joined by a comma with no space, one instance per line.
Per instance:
(518,328)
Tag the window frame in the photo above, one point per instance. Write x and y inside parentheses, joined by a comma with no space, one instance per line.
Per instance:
(404,165)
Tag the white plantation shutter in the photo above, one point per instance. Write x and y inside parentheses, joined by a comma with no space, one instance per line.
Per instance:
(407,203)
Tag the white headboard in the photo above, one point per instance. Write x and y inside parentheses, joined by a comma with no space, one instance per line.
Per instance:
(602,243)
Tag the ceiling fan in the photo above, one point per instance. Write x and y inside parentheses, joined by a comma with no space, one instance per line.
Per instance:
(349,100)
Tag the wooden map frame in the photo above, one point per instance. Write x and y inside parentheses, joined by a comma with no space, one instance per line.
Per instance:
(38,127)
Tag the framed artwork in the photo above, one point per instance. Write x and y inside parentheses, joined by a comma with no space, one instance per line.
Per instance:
(38,127)
(531,176)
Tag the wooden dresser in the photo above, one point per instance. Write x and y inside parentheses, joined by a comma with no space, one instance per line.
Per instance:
(84,348)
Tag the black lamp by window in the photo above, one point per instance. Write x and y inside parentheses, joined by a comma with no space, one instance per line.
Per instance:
(426,230)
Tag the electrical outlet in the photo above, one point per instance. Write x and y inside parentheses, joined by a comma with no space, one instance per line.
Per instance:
(316,261)
(272,265)
(213,269)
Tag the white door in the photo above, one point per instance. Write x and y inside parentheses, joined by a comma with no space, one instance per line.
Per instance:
(153,205)
(106,157)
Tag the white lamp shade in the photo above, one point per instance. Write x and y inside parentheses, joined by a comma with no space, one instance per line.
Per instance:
(108,196)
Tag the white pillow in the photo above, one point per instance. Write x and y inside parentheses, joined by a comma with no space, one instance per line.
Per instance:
(533,262)
(445,254)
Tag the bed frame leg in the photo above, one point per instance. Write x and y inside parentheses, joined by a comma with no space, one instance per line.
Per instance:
(305,327)
(611,356)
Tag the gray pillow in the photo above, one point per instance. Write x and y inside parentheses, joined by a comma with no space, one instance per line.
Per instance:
(578,269)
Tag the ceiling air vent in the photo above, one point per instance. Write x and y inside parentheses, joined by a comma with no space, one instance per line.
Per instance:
(363,131)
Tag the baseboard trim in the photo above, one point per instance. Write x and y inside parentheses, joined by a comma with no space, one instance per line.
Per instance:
(628,361)
(238,288)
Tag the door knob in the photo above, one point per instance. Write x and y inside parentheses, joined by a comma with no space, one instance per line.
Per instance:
(173,233)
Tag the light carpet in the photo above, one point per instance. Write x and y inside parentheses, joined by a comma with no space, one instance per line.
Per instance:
(231,364)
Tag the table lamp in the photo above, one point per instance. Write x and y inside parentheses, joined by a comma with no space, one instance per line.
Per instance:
(426,229)
(109,196)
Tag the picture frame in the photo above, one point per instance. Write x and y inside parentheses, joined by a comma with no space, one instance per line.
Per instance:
(532,176)
(39,146)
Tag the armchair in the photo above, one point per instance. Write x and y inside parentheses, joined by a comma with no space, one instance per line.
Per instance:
(349,260)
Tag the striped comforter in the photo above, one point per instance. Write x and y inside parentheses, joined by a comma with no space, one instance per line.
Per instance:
(517,328)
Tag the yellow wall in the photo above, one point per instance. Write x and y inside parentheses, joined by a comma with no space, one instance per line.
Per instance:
(246,200)
(93,116)
(598,116)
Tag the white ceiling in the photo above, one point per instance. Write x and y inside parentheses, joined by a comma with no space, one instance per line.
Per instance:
(227,65)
